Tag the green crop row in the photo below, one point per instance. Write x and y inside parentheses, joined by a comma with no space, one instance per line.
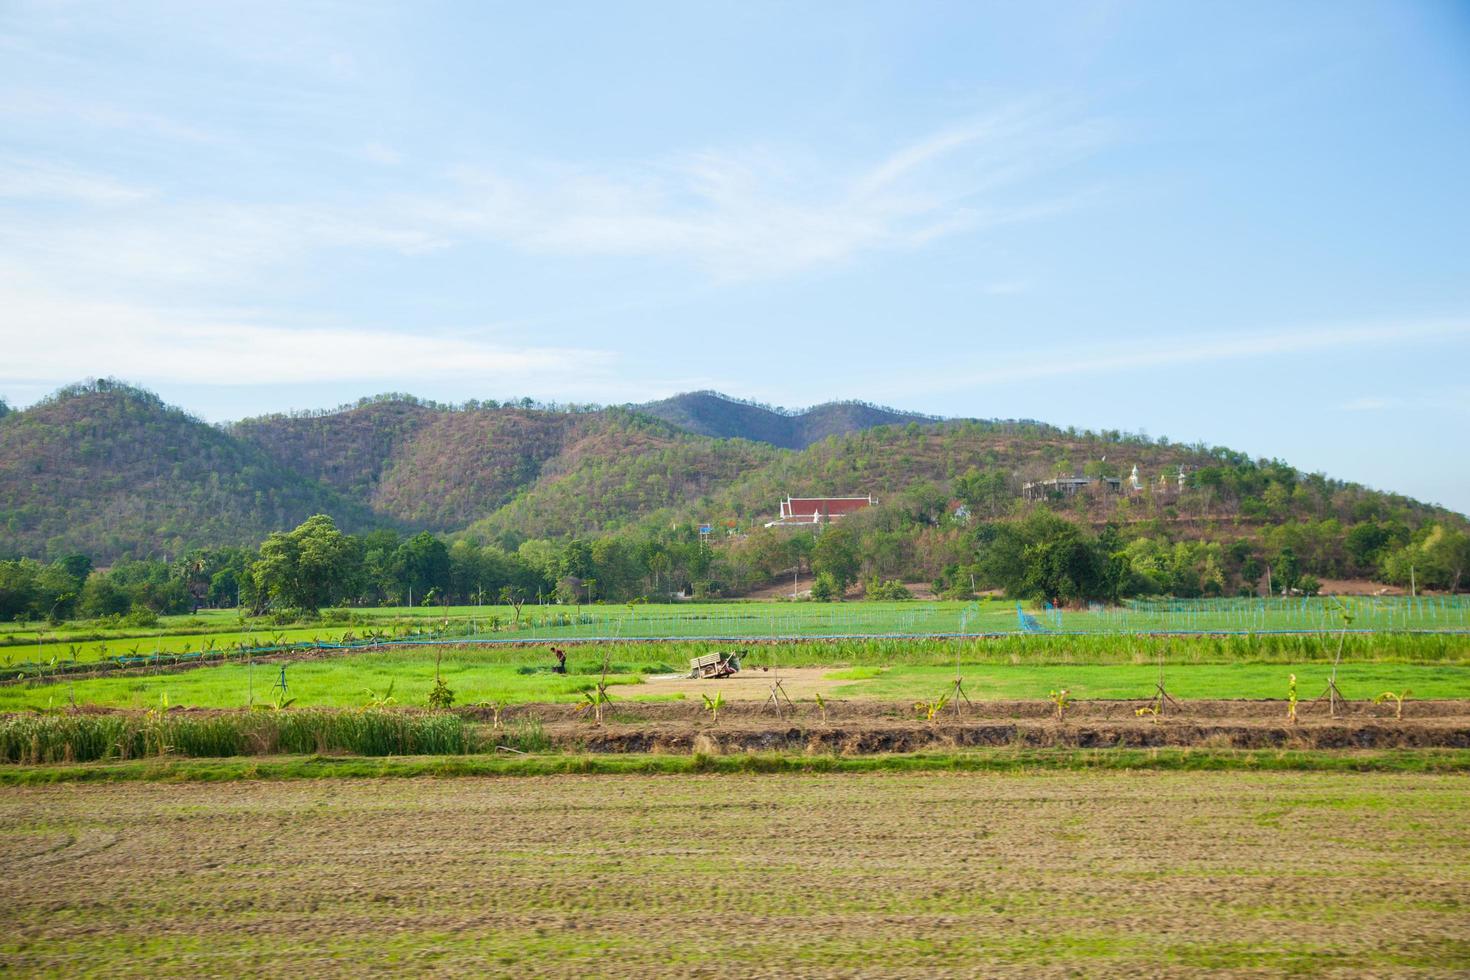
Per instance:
(64,738)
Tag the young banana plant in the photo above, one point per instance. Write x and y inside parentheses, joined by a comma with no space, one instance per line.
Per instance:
(713,705)
(1398,700)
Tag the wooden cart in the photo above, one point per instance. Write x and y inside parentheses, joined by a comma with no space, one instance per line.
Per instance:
(714,665)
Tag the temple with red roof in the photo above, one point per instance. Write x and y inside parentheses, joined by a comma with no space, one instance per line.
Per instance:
(815,511)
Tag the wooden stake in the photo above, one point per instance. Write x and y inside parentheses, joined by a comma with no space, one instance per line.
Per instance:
(778,692)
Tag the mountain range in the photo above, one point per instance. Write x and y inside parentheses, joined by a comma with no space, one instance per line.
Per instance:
(109,470)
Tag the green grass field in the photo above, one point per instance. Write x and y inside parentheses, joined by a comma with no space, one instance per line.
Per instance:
(998,760)
(488,675)
(223,629)
(1129,681)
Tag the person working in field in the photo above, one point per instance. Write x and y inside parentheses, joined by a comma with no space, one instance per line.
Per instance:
(561,661)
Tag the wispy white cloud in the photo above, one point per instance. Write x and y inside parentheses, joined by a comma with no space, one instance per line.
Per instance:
(98,113)
(54,339)
(377,151)
(98,265)
(1007,287)
(752,213)
(1147,353)
(29,179)
(733,214)
(1369,403)
(1454,399)
(146,243)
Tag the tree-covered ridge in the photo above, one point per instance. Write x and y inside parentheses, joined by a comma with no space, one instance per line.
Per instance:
(623,471)
(112,472)
(463,465)
(432,466)
(710,413)
(347,450)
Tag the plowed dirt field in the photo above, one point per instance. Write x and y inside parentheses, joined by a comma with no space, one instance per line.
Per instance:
(894,874)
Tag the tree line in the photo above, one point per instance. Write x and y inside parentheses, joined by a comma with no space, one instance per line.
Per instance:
(920,535)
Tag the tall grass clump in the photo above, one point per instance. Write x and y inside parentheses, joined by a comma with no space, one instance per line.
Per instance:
(525,735)
(49,738)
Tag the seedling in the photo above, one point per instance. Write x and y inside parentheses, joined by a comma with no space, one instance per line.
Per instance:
(822,707)
(930,709)
(375,700)
(1398,702)
(713,706)
(441,698)
(1291,700)
(594,699)
(496,707)
(1060,700)
(1152,708)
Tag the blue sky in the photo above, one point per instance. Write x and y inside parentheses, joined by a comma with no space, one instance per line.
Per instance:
(1245,223)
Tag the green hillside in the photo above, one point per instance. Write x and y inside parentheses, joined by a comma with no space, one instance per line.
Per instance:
(623,470)
(709,413)
(422,465)
(110,471)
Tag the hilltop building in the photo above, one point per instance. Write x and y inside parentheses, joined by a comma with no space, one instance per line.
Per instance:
(815,511)
(1069,486)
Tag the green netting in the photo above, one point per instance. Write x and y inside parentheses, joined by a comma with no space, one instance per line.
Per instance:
(984,618)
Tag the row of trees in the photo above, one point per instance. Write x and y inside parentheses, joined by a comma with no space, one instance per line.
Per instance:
(1039,554)
(316,565)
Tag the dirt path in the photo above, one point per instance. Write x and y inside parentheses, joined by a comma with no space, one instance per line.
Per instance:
(752,684)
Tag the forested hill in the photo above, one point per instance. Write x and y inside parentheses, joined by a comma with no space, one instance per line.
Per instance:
(709,413)
(415,464)
(110,471)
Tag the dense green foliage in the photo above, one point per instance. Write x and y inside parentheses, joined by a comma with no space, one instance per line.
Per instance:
(110,471)
(588,504)
(709,413)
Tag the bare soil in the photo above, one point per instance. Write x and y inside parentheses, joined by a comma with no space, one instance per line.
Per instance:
(751,684)
(803,588)
(1359,586)
(895,874)
(859,727)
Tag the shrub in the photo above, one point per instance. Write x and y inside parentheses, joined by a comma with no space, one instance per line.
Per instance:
(890,591)
(141,616)
(826,589)
(441,698)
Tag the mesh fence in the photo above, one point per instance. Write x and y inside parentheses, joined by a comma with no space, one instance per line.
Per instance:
(777,621)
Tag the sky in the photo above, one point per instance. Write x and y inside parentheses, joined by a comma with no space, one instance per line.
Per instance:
(1245,224)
